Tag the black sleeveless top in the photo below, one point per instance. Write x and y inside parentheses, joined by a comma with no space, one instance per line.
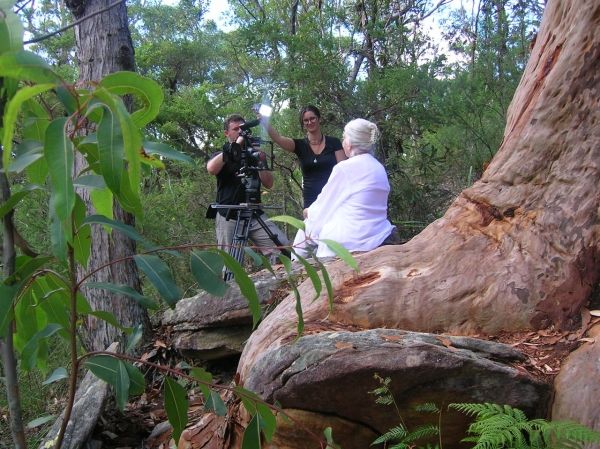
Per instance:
(316,168)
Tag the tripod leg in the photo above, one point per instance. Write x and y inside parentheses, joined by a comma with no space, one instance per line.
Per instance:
(240,239)
(274,238)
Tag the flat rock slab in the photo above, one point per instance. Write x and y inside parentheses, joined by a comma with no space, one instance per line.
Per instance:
(331,373)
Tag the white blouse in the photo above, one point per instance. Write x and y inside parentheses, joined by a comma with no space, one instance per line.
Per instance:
(352,207)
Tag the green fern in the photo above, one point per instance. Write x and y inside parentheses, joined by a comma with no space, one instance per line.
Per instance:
(397,433)
(505,427)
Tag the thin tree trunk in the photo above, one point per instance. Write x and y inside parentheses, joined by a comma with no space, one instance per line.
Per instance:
(9,363)
(104,46)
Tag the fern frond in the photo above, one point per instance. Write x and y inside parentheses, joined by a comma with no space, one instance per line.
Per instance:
(385,400)
(561,434)
(478,410)
(395,434)
(428,407)
(428,431)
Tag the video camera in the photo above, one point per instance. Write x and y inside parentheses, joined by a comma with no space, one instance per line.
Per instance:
(252,158)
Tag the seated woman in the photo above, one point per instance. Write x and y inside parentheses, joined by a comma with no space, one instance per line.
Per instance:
(352,207)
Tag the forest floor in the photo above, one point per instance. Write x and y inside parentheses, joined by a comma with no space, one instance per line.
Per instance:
(545,350)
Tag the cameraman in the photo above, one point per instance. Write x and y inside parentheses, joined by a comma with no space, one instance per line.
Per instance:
(225,165)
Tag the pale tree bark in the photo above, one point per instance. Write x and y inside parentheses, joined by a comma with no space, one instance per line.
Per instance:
(520,249)
(104,46)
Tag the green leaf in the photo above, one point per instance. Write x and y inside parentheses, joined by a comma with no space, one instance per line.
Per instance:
(58,151)
(134,338)
(298,224)
(176,406)
(342,253)
(102,199)
(122,385)
(14,199)
(111,150)
(104,367)
(7,295)
(216,404)
(129,231)
(114,372)
(26,66)
(328,284)
(125,290)
(30,351)
(166,151)
(251,438)
(268,422)
(128,199)
(54,302)
(58,237)
(329,438)
(68,97)
(132,145)
(27,153)
(313,275)
(90,182)
(207,268)
(159,274)
(145,89)
(82,240)
(58,374)
(137,382)
(11,29)
(110,319)
(287,263)
(246,286)
(11,113)
(37,422)
(205,379)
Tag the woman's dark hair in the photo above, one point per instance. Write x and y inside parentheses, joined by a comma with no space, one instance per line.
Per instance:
(307,108)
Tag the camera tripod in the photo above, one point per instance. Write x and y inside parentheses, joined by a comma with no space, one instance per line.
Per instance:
(245,213)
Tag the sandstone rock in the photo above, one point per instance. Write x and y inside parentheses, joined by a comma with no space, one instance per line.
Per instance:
(331,373)
(577,387)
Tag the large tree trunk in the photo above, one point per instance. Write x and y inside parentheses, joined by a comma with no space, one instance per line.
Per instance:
(519,249)
(104,46)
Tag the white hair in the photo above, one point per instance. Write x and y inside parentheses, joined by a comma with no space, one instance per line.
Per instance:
(362,135)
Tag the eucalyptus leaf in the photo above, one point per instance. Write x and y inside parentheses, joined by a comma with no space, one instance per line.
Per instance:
(58,374)
(40,421)
(111,150)
(145,89)
(58,151)
(7,295)
(342,253)
(298,224)
(312,274)
(129,231)
(90,182)
(164,150)
(176,406)
(207,268)
(126,291)
(251,439)
(11,113)
(246,286)
(160,276)
(14,199)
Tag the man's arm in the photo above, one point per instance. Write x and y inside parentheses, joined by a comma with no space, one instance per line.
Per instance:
(216,164)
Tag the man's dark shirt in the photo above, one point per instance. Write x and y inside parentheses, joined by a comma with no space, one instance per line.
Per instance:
(230,189)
